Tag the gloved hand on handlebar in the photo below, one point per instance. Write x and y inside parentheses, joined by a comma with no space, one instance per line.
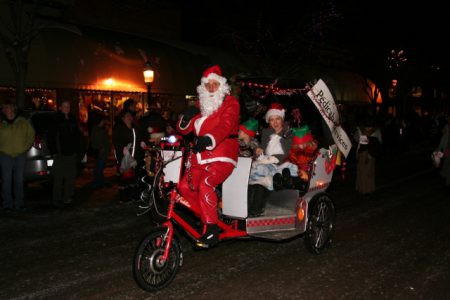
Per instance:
(201,144)
(188,114)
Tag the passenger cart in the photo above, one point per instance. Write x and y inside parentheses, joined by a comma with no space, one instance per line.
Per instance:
(308,213)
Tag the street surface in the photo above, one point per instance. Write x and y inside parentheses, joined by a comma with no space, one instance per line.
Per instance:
(394,245)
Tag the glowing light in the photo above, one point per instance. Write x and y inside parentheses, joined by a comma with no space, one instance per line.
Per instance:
(396,59)
(172,139)
(300,214)
(148,73)
(112,84)
(109,82)
(320,183)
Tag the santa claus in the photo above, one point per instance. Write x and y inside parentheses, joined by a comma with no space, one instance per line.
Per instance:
(215,150)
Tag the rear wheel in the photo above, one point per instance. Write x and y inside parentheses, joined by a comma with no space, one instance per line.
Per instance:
(150,271)
(321,222)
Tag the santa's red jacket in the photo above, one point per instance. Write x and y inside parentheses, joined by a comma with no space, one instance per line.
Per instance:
(222,127)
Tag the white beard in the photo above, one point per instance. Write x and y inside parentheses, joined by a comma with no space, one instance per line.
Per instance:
(210,102)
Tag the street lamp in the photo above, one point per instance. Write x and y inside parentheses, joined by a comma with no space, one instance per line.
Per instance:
(148,79)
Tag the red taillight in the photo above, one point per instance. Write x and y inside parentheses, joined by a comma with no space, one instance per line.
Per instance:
(38,142)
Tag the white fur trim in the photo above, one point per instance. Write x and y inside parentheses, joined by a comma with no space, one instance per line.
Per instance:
(198,124)
(213,142)
(214,76)
(274,112)
(210,160)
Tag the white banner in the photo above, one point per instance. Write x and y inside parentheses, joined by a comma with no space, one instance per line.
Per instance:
(323,100)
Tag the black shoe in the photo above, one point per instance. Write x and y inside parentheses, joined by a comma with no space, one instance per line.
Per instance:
(277,182)
(210,238)
(287,179)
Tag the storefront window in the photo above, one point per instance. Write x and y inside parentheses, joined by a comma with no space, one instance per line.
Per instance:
(40,99)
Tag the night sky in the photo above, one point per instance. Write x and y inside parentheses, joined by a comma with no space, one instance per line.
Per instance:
(364,27)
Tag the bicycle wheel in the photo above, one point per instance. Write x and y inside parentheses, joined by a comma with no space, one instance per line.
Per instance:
(150,272)
(321,222)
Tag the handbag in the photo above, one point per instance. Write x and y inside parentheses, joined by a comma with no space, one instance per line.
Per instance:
(127,166)
(436,157)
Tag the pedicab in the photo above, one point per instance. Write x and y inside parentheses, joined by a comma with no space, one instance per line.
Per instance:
(308,213)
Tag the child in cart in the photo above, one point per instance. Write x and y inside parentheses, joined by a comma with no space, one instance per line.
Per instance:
(295,172)
(246,136)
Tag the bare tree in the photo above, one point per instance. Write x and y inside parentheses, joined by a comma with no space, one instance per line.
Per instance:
(20,24)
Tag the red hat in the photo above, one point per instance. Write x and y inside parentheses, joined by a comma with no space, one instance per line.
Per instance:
(276,109)
(213,72)
(214,69)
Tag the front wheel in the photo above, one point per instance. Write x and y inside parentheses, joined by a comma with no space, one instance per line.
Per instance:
(150,271)
(321,222)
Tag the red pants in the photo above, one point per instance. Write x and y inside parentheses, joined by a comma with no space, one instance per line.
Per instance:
(205,179)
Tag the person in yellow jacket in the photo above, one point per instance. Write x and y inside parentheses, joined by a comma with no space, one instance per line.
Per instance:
(16,137)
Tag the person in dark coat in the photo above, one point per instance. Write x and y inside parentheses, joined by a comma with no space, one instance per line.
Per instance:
(152,122)
(127,139)
(102,147)
(65,143)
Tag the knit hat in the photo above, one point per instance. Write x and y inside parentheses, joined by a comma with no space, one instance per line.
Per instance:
(155,132)
(213,72)
(301,135)
(249,127)
(276,109)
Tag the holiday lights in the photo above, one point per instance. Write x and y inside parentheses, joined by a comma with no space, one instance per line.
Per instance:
(270,88)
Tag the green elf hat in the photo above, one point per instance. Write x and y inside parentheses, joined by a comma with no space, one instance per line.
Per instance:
(302,135)
(249,127)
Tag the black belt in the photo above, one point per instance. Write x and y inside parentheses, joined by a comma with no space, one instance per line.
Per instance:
(233,136)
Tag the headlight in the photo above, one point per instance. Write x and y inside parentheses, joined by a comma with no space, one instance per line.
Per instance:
(172,139)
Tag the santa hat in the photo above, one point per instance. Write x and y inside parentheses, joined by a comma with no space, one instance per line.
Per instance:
(155,132)
(249,127)
(276,109)
(213,72)
(301,135)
